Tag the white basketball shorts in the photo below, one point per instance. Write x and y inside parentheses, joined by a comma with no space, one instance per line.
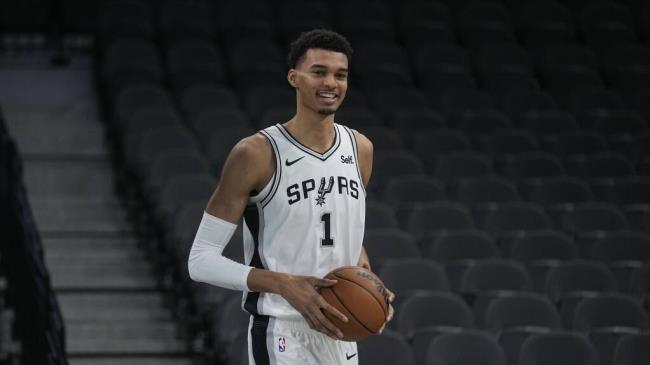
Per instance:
(274,341)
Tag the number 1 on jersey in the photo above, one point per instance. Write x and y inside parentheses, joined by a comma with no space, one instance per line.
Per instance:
(327,241)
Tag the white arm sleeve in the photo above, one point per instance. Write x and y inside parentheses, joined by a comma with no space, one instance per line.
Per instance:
(207,264)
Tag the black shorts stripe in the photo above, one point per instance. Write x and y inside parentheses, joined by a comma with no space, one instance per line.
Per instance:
(252,218)
(258,340)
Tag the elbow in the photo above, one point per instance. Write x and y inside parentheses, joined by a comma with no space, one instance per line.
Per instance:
(192,269)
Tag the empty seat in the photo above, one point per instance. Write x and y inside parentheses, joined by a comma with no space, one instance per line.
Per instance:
(210,121)
(425,23)
(437,217)
(574,280)
(232,320)
(459,249)
(260,99)
(386,349)
(186,20)
(605,24)
(489,189)
(492,278)
(239,21)
(380,215)
(549,122)
(193,61)
(255,63)
(626,66)
(510,142)
(601,166)
(465,347)
(503,57)
(481,23)
(545,23)
(129,62)
(409,275)
(138,96)
(394,163)
(384,244)
(624,251)
(389,102)
(517,316)
(519,103)
(402,190)
(363,21)
(413,121)
(455,103)
(478,123)
(631,190)
(508,218)
(558,348)
(435,310)
(295,17)
(199,97)
(633,350)
(607,318)
(458,165)
(579,142)
(587,100)
(383,64)
(561,190)
(431,143)
(533,165)
(126,19)
(541,251)
(384,139)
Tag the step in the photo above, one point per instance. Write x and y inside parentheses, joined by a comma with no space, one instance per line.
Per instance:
(80,248)
(95,307)
(64,178)
(78,215)
(122,337)
(109,277)
(84,360)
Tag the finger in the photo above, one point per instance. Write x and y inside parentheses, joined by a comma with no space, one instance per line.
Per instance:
(328,326)
(324,283)
(391,312)
(381,329)
(391,296)
(335,312)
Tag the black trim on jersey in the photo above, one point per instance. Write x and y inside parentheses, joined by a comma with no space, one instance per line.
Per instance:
(252,218)
(278,170)
(353,139)
(258,340)
(320,156)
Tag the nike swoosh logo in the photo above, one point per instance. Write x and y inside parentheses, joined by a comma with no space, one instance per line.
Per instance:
(348,357)
(289,163)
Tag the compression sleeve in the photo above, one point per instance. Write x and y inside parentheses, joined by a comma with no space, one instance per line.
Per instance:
(207,264)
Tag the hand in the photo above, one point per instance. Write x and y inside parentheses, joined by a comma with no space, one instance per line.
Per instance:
(391,311)
(301,292)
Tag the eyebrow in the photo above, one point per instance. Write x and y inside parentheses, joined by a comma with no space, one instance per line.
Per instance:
(319,66)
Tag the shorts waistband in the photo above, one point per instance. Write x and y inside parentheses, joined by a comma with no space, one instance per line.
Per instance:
(295,324)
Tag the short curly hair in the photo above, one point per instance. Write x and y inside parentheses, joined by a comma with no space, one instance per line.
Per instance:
(318,38)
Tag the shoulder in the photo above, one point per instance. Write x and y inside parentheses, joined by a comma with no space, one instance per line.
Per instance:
(251,149)
(251,160)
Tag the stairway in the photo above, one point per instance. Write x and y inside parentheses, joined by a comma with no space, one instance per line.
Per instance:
(113,311)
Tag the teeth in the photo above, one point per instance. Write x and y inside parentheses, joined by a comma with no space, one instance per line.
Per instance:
(327,95)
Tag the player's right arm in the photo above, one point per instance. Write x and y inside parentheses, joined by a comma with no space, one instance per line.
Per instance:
(248,168)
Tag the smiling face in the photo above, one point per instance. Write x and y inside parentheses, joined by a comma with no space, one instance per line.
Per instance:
(321,80)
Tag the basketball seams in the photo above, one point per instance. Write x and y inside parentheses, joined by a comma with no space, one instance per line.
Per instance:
(364,288)
(349,311)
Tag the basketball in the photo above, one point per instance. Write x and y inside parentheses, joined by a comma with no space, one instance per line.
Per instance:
(362,297)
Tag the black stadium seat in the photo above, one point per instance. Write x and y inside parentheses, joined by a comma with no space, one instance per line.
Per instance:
(558,348)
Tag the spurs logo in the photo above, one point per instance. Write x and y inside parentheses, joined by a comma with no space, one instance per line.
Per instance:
(322,191)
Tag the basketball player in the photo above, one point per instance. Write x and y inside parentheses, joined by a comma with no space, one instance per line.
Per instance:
(300,187)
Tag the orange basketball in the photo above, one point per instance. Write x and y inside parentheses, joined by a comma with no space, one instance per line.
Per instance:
(362,297)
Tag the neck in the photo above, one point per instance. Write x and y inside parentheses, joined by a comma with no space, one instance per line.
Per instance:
(314,130)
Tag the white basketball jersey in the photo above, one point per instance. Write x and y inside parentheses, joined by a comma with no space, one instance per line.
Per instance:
(310,217)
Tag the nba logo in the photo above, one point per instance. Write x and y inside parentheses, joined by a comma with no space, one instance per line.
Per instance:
(282,346)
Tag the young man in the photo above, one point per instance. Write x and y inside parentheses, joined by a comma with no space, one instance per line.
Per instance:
(300,187)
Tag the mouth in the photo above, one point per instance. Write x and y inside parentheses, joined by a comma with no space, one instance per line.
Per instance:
(328,97)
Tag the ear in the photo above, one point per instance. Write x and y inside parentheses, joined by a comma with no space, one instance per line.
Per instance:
(291,77)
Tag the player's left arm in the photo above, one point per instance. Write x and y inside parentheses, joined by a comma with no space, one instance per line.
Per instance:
(365,153)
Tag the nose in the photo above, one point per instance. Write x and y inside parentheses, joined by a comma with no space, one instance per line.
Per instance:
(329,81)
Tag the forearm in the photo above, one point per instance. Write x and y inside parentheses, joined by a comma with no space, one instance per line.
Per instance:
(265,281)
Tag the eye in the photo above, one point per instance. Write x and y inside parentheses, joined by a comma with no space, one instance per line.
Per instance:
(341,76)
(319,72)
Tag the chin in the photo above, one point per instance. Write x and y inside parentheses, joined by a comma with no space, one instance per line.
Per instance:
(327,111)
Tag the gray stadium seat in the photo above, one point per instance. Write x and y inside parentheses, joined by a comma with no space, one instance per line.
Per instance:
(558,348)
(466,347)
